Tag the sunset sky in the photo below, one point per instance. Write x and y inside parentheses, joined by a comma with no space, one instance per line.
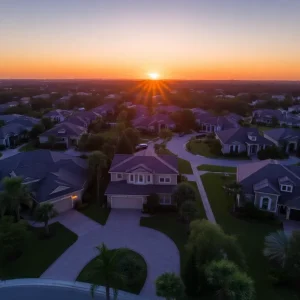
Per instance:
(178,39)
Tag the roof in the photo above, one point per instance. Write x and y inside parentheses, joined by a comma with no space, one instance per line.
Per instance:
(58,113)
(225,122)
(123,188)
(267,176)
(168,108)
(48,174)
(241,135)
(282,134)
(105,107)
(11,129)
(162,164)
(152,120)
(65,129)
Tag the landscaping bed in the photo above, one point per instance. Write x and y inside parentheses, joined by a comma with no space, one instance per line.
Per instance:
(40,252)
(95,212)
(213,168)
(250,235)
(135,282)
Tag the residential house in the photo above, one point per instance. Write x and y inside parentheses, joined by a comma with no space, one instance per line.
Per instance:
(286,138)
(4,107)
(65,133)
(52,177)
(257,102)
(169,109)
(58,115)
(210,123)
(294,108)
(279,98)
(154,123)
(133,178)
(242,140)
(106,108)
(272,187)
(16,127)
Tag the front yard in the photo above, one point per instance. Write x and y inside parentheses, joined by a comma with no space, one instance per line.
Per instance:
(40,253)
(250,235)
(213,168)
(198,147)
(169,224)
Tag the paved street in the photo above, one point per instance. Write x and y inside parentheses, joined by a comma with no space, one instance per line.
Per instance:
(121,230)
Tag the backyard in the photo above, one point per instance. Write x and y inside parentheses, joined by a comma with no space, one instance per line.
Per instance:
(250,235)
(169,224)
(40,253)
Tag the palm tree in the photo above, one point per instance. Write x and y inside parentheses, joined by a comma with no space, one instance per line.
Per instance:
(106,269)
(14,194)
(277,247)
(44,213)
(234,189)
(97,161)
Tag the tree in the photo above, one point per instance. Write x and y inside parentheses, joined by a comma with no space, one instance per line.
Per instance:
(124,146)
(165,134)
(188,211)
(184,192)
(169,286)
(293,257)
(276,247)
(190,276)
(234,189)
(15,193)
(106,269)
(122,117)
(152,202)
(184,120)
(13,237)
(109,150)
(133,136)
(2,123)
(97,161)
(83,142)
(51,140)
(44,213)
(36,130)
(274,122)
(229,282)
(47,123)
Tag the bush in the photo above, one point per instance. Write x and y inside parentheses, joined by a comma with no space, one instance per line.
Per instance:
(250,211)
(152,203)
(83,156)
(235,154)
(271,153)
(2,147)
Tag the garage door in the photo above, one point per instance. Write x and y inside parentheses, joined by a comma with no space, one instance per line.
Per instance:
(127,202)
(295,215)
(63,205)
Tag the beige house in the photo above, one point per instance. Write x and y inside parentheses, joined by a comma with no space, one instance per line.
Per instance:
(133,178)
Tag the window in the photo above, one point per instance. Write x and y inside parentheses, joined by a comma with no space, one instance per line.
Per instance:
(164,179)
(168,179)
(119,175)
(140,179)
(161,179)
(165,200)
(131,178)
(286,188)
(265,203)
(149,178)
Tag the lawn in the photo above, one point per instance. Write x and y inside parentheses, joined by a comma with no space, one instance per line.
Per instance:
(213,168)
(169,224)
(184,166)
(134,288)
(250,235)
(261,128)
(28,147)
(96,213)
(40,253)
(200,148)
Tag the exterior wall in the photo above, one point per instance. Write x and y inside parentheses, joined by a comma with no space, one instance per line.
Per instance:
(113,177)
(43,139)
(226,148)
(273,198)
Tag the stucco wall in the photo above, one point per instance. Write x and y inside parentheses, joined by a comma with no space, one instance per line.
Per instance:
(274,199)
(155,178)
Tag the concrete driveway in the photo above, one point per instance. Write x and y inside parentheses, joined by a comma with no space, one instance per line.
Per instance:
(121,230)
(290,226)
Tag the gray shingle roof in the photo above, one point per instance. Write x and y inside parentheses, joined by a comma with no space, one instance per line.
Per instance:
(65,129)
(49,171)
(283,134)
(163,164)
(153,120)
(123,188)
(241,135)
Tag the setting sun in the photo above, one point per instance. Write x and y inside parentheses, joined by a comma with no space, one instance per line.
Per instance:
(153,76)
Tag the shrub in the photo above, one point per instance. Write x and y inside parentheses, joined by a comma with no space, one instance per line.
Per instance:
(2,147)
(169,286)
(250,211)
(83,156)
(271,153)
(184,192)
(152,203)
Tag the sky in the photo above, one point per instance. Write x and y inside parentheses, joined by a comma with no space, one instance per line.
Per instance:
(128,39)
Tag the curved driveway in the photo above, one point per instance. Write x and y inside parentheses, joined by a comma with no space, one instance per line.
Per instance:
(177,146)
(121,230)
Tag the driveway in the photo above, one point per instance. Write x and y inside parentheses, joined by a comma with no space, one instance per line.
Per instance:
(290,226)
(121,230)
(10,152)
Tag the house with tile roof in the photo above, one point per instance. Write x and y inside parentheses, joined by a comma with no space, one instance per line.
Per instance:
(287,139)
(50,176)
(271,187)
(242,140)
(133,178)
(65,133)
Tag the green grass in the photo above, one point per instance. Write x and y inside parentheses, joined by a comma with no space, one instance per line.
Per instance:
(40,253)
(28,147)
(213,168)
(169,224)
(200,148)
(133,288)
(250,235)
(261,128)
(96,213)
(184,166)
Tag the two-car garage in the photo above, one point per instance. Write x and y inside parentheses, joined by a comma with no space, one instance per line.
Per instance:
(126,202)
